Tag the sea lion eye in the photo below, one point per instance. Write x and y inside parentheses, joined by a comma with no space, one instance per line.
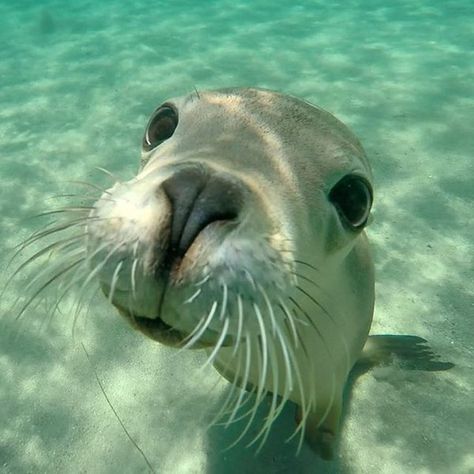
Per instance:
(352,196)
(161,126)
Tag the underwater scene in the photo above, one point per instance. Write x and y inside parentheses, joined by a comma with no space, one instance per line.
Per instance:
(160,161)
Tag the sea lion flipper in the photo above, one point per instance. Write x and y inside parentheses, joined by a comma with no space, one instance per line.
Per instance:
(411,352)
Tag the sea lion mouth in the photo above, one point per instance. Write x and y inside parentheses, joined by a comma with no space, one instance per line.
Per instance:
(160,331)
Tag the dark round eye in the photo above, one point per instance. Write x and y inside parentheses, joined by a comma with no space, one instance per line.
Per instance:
(352,196)
(160,127)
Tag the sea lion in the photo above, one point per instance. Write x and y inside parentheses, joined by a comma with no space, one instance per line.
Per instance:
(243,233)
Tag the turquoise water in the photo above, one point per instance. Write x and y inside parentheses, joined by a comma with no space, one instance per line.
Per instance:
(77,83)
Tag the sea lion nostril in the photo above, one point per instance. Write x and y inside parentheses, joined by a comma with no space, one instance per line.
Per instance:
(197,199)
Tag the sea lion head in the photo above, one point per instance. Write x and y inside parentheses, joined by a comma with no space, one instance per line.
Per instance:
(236,189)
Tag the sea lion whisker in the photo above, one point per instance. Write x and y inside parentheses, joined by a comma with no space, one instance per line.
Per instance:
(25,244)
(108,173)
(250,279)
(193,296)
(270,309)
(219,343)
(302,262)
(224,301)
(301,427)
(90,185)
(65,210)
(264,347)
(197,334)
(288,320)
(310,321)
(46,285)
(133,277)
(63,196)
(92,274)
(285,349)
(300,339)
(271,416)
(133,272)
(47,231)
(60,245)
(114,280)
(330,354)
(240,323)
(260,393)
(305,278)
(333,320)
(292,317)
(87,309)
(232,378)
(259,390)
(247,396)
(73,281)
(238,404)
(204,280)
(317,303)
(290,365)
(46,271)
(88,198)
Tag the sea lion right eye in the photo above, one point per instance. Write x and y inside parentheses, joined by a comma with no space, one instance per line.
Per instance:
(352,196)
(161,126)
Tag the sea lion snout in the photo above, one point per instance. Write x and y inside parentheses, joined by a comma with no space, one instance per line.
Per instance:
(199,197)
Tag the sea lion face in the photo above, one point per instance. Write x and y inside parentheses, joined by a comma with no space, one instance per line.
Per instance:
(235,187)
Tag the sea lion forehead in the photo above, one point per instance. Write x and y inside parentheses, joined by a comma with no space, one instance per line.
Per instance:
(288,117)
(241,103)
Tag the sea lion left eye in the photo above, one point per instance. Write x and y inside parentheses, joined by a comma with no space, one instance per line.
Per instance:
(160,127)
(352,196)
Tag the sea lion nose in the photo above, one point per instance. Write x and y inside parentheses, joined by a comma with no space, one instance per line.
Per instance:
(199,197)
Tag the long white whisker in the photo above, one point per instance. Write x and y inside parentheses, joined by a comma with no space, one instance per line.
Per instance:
(270,309)
(253,410)
(46,284)
(58,246)
(244,381)
(203,328)
(114,281)
(133,277)
(270,416)
(219,343)
(264,348)
(289,318)
(193,296)
(240,322)
(108,173)
(224,302)
(93,274)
